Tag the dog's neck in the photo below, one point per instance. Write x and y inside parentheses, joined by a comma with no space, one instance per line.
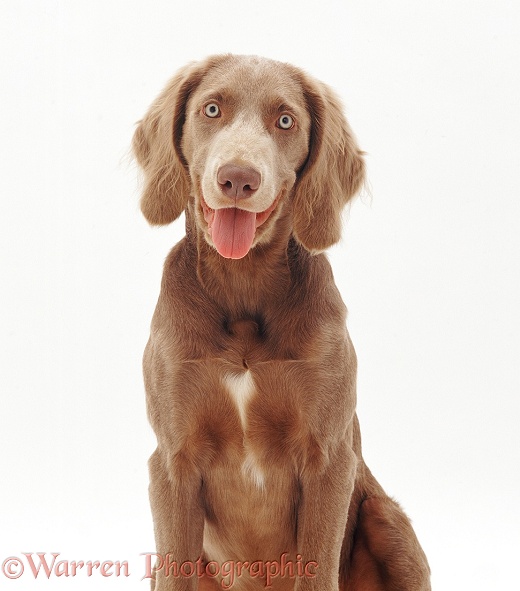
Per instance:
(249,285)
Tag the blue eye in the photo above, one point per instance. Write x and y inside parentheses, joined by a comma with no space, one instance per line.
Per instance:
(285,121)
(212,110)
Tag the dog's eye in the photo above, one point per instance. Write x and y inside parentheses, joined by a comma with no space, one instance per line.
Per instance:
(212,110)
(285,121)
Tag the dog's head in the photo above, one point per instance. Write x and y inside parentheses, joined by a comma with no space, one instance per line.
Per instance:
(247,137)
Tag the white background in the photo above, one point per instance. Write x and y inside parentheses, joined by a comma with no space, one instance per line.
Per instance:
(428,265)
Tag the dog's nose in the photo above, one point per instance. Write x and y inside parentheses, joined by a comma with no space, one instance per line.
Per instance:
(238,182)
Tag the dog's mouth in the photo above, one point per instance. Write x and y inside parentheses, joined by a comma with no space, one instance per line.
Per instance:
(232,230)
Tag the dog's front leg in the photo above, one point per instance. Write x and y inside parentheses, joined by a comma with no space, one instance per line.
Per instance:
(178,515)
(322,518)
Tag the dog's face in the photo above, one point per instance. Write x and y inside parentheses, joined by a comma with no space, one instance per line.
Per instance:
(244,139)
(248,138)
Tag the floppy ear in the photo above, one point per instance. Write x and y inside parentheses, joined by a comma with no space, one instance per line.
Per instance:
(156,146)
(333,173)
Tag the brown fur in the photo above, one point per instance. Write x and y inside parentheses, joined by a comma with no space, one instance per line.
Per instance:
(281,471)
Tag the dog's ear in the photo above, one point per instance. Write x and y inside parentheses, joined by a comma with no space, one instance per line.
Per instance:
(156,146)
(333,173)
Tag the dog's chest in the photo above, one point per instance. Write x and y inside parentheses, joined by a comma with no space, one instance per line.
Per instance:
(255,467)
(241,410)
(241,388)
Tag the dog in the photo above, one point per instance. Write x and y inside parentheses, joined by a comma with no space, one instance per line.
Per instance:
(249,371)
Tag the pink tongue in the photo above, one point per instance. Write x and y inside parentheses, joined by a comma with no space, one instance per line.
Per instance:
(233,232)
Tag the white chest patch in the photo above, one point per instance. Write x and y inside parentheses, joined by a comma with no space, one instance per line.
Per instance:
(241,387)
